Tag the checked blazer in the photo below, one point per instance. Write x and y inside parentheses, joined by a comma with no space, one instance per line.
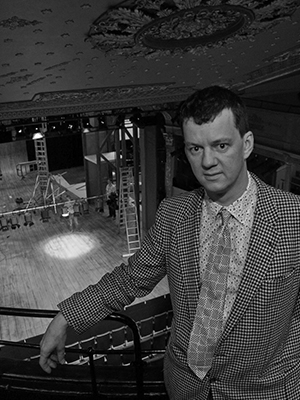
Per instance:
(258,354)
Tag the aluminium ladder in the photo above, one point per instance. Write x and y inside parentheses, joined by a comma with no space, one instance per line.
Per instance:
(43,179)
(42,163)
(128,218)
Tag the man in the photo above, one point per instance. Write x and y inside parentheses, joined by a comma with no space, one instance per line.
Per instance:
(256,355)
(111,198)
(73,218)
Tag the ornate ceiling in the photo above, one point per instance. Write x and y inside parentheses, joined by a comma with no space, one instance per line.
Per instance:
(70,56)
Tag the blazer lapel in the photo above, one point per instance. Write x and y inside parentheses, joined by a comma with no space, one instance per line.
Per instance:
(189,256)
(263,242)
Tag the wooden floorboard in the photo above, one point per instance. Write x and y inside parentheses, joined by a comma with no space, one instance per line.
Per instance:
(45,263)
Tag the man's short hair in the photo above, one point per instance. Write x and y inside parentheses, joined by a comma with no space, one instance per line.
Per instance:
(206,104)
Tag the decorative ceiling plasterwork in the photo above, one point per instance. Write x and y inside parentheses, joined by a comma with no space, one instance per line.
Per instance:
(16,22)
(99,99)
(103,94)
(142,30)
(279,65)
(103,99)
(156,28)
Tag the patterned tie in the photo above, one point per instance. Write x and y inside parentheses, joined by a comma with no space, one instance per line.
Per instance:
(208,322)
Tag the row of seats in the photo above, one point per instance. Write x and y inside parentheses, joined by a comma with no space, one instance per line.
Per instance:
(154,333)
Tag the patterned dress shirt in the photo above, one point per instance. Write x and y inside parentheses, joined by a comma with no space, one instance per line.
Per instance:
(242,211)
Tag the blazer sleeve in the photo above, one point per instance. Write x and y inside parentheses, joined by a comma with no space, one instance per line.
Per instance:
(114,290)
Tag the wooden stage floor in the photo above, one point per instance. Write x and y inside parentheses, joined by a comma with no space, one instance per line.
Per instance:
(45,263)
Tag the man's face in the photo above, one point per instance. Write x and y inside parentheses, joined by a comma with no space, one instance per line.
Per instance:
(217,154)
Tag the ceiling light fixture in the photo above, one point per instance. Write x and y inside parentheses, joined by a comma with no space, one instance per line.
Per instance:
(37,135)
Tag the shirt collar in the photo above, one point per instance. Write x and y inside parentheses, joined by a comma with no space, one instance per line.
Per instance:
(240,208)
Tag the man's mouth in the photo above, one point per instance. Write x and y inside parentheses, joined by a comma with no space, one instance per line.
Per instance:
(212,175)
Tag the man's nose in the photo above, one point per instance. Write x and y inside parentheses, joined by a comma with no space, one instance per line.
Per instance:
(208,158)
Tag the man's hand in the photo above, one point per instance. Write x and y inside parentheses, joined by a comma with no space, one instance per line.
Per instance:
(53,344)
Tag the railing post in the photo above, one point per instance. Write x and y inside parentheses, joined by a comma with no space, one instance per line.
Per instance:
(92,372)
(139,370)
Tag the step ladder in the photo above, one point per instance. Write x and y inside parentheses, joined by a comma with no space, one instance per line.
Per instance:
(128,210)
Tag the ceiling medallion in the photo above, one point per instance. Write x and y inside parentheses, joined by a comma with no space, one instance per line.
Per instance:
(155,28)
(203,25)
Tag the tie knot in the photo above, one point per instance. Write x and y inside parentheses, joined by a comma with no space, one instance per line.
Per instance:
(225,215)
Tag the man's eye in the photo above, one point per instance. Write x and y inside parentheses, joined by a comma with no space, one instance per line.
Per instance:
(223,146)
(194,149)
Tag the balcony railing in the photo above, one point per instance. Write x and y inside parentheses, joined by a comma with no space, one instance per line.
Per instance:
(129,363)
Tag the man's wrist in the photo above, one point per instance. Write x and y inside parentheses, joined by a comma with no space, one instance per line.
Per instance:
(61,320)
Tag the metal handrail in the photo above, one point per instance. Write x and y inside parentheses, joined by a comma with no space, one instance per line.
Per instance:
(90,352)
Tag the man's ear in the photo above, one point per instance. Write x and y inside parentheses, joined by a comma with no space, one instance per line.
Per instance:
(248,144)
